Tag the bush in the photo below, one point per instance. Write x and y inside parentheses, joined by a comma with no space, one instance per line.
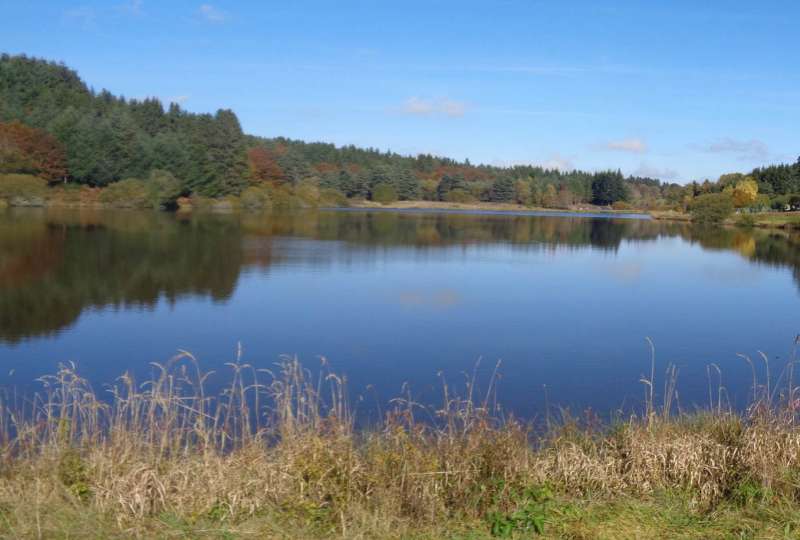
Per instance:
(332,198)
(256,198)
(160,190)
(522,192)
(65,194)
(746,220)
(164,189)
(480,191)
(227,203)
(428,190)
(198,202)
(621,205)
(308,193)
(779,202)
(23,189)
(712,208)
(283,199)
(384,194)
(459,196)
(128,193)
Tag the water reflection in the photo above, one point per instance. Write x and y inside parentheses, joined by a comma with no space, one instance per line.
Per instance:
(56,265)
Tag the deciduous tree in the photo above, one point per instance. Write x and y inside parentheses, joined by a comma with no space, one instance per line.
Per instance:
(27,150)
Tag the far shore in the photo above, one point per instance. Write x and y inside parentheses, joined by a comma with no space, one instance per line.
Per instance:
(764,220)
(502,207)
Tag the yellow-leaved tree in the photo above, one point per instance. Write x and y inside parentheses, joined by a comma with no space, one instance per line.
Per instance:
(745,193)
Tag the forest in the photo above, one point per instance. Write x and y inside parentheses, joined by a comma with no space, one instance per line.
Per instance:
(60,140)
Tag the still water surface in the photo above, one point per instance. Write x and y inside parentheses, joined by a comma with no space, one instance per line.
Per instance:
(400,297)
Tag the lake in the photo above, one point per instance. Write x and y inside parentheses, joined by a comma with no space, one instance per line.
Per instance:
(564,302)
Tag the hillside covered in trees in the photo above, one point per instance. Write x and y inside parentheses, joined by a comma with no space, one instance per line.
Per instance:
(58,135)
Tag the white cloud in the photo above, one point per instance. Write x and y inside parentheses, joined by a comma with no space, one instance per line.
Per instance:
(559,162)
(212,14)
(84,15)
(180,100)
(555,161)
(415,105)
(752,149)
(453,109)
(634,146)
(651,171)
(429,107)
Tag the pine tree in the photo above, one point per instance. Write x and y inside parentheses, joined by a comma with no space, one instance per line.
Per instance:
(449,183)
(406,184)
(608,187)
(503,189)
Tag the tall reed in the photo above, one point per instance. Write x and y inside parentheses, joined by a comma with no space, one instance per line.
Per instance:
(284,442)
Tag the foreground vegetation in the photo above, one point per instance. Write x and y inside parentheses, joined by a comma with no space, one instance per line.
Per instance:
(278,455)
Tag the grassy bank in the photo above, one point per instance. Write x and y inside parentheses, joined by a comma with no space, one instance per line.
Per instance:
(277,456)
(778,220)
(766,220)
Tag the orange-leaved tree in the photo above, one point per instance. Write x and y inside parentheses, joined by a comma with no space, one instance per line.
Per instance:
(264,165)
(27,150)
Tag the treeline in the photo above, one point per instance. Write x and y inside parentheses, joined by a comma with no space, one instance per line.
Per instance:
(98,139)
(53,126)
(775,187)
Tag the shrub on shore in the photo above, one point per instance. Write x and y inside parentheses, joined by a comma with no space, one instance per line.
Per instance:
(712,208)
(23,190)
(159,191)
(308,194)
(256,198)
(164,189)
(460,196)
(384,194)
(128,193)
(332,198)
(621,205)
(746,220)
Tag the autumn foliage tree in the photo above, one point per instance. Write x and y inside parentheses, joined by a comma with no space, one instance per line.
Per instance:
(27,150)
(745,193)
(264,165)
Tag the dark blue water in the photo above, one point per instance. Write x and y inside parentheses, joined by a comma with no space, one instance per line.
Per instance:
(400,297)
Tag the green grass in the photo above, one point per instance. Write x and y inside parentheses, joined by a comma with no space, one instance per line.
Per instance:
(778,220)
(666,516)
(774,220)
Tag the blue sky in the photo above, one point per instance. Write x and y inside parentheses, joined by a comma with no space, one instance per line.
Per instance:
(681,89)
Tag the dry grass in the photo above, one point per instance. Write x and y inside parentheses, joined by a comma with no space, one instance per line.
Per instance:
(277,455)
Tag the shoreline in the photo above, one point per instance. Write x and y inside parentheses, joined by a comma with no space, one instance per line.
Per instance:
(764,220)
(487,206)
(787,221)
